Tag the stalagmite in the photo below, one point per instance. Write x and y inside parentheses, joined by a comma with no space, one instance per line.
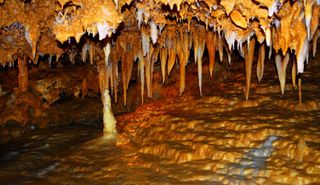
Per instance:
(249,53)
(281,70)
(294,74)
(72,57)
(163,60)
(23,74)
(109,121)
(211,46)
(260,64)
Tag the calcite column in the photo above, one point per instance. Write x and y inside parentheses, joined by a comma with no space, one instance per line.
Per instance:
(23,74)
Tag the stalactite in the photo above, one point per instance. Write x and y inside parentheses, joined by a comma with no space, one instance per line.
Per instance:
(148,71)
(36,60)
(141,69)
(84,52)
(300,89)
(270,47)
(91,53)
(124,77)
(220,48)
(281,70)
(211,46)
(229,56)
(171,45)
(23,74)
(260,64)
(308,16)
(200,50)
(302,46)
(110,77)
(163,60)
(115,80)
(294,74)
(314,43)
(50,60)
(195,45)
(183,54)
(249,53)
(154,58)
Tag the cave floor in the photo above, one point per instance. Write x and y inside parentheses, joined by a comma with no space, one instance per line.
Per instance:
(215,139)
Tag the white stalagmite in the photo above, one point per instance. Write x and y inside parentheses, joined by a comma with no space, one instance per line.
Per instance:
(260,64)
(109,121)
(281,69)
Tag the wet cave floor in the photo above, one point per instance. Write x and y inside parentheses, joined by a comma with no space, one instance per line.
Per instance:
(218,138)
